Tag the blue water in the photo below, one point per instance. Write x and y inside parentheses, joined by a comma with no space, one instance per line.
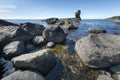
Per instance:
(82,30)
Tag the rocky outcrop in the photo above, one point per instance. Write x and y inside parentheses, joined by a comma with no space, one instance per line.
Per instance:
(115,18)
(51,20)
(42,60)
(39,40)
(6,23)
(12,33)
(99,50)
(32,28)
(54,33)
(25,75)
(96,30)
(77,15)
(14,48)
(69,24)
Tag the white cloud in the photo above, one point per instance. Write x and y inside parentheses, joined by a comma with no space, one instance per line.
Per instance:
(5,11)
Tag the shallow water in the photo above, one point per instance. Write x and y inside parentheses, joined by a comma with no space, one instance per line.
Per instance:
(82,30)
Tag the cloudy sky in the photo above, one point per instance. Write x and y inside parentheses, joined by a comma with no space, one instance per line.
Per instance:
(39,9)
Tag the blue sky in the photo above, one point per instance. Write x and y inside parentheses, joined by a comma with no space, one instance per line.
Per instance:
(39,9)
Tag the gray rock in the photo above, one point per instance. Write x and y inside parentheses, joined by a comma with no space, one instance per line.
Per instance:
(24,75)
(6,67)
(33,29)
(96,30)
(30,47)
(14,48)
(11,33)
(50,44)
(51,20)
(6,23)
(104,77)
(42,60)
(116,76)
(37,40)
(115,69)
(99,50)
(54,33)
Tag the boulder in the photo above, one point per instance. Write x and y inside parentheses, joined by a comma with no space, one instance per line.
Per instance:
(6,67)
(42,60)
(99,50)
(96,30)
(12,33)
(37,40)
(32,28)
(6,23)
(51,20)
(30,47)
(69,24)
(14,48)
(25,75)
(54,33)
(50,44)
(115,69)
(104,77)
(116,76)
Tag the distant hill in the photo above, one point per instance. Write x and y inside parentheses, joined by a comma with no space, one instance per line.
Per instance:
(114,18)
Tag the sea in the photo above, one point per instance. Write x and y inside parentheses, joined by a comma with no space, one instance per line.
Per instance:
(111,26)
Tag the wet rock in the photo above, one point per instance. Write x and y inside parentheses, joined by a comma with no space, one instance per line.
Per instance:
(54,33)
(32,28)
(96,30)
(104,77)
(42,60)
(115,69)
(51,20)
(50,44)
(25,75)
(99,50)
(30,47)
(37,40)
(14,48)
(12,33)
(6,67)
(6,23)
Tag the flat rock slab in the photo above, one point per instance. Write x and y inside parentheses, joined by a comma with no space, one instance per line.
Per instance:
(104,77)
(42,60)
(99,50)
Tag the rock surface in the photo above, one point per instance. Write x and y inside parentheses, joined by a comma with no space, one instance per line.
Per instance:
(50,44)
(104,77)
(99,50)
(116,76)
(96,30)
(42,61)
(14,48)
(11,33)
(33,29)
(37,40)
(6,23)
(24,75)
(30,47)
(54,33)
(51,20)
(115,69)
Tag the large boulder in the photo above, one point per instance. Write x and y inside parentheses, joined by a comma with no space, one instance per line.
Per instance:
(99,50)
(52,20)
(96,30)
(42,60)
(32,28)
(6,23)
(25,75)
(14,48)
(38,40)
(54,33)
(11,33)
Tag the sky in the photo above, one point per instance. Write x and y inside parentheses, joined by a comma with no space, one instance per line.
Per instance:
(41,9)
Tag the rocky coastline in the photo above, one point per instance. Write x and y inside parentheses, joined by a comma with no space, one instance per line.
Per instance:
(30,51)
